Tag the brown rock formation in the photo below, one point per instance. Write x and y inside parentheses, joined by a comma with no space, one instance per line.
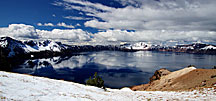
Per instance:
(184,79)
(159,73)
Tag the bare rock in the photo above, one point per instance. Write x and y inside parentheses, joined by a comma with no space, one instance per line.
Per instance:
(159,73)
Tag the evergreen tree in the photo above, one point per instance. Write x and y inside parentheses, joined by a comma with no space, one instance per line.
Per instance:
(96,81)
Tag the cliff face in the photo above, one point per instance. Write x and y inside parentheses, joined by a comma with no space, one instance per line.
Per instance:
(184,79)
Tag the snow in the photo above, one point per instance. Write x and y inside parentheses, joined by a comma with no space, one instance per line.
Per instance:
(140,46)
(3,44)
(27,88)
(209,47)
(137,46)
(16,47)
(188,47)
(53,46)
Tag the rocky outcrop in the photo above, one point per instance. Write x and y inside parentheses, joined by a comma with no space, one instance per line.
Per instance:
(188,78)
(159,73)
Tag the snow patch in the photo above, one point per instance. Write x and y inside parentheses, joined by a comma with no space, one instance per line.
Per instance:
(42,46)
(3,44)
(209,47)
(137,46)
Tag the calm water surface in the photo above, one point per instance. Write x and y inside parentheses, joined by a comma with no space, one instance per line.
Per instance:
(118,69)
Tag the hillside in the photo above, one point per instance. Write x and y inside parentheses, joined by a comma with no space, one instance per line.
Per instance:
(26,88)
(185,79)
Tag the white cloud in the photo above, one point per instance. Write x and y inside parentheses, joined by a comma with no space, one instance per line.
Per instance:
(65,25)
(164,20)
(150,14)
(158,18)
(96,24)
(62,24)
(119,24)
(48,24)
(39,24)
(23,31)
(131,2)
(45,24)
(78,35)
(78,24)
(19,31)
(87,7)
(76,18)
(74,35)
(155,35)
(96,6)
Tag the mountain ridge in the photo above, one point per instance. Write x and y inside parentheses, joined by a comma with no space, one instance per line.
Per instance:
(11,48)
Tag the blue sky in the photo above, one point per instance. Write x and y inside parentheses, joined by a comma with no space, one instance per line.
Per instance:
(32,12)
(27,11)
(110,20)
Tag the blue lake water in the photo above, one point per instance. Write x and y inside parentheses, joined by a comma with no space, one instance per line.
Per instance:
(118,69)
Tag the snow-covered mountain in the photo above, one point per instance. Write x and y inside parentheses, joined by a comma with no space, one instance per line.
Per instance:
(195,46)
(137,46)
(12,47)
(200,48)
(209,47)
(36,46)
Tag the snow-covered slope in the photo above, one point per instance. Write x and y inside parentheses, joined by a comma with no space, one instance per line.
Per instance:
(36,46)
(209,47)
(146,46)
(137,46)
(13,47)
(199,46)
(27,88)
(141,46)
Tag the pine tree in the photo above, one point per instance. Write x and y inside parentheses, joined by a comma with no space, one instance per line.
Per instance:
(96,81)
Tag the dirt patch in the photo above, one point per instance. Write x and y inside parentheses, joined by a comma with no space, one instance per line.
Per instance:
(184,79)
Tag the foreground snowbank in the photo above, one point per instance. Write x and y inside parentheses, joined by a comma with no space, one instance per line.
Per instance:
(27,88)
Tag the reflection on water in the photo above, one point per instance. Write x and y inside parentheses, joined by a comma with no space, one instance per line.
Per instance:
(118,69)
